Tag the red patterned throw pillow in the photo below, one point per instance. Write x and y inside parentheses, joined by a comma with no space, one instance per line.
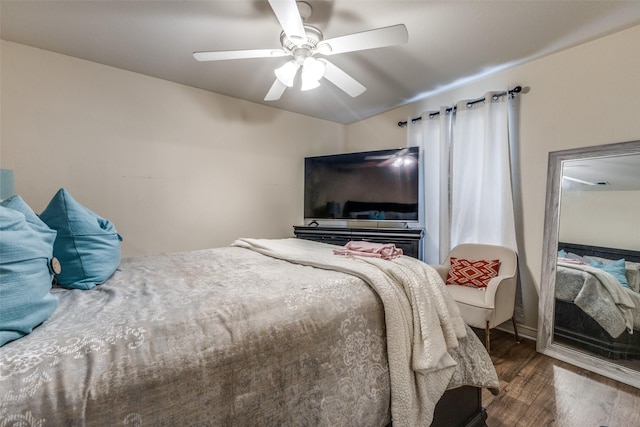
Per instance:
(476,273)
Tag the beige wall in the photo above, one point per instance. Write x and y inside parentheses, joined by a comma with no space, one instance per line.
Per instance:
(585,96)
(600,218)
(173,167)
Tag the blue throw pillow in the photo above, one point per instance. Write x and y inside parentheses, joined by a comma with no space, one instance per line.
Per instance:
(17,204)
(617,269)
(87,245)
(25,275)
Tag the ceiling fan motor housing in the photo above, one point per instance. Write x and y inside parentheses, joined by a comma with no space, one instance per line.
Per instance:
(313,37)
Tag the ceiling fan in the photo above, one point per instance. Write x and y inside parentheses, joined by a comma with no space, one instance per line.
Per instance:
(302,42)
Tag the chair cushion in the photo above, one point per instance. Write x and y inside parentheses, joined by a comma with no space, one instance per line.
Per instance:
(476,309)
(468,295)
(475,273)
(87,245)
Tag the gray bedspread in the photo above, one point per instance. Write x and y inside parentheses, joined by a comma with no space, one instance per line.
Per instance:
(600,296)
(224,337)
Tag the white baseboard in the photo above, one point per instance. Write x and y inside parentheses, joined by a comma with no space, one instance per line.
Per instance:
(523,330)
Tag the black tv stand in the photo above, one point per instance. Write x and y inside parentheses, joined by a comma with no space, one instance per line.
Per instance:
(407,239)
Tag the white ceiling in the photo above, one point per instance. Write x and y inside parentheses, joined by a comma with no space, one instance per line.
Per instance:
(614,173)
(449,42)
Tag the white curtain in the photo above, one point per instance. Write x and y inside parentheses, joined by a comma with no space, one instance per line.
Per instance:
(467,181)
(481,190)
(432,134)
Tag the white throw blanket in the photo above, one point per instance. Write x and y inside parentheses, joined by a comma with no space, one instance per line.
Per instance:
(422,320)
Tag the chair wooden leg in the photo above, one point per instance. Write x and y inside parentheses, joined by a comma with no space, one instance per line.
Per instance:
(515,329)
(487,337)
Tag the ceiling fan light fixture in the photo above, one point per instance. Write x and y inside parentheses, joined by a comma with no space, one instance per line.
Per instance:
(309,84)
(312,72)
(287,73)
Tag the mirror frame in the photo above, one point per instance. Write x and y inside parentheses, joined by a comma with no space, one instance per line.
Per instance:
(545,342)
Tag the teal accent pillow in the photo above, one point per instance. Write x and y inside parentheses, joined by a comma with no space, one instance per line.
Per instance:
(26,249)
(87,246)
(617,269)
(17,204)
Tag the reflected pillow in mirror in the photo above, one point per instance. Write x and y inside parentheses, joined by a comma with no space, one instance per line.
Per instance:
(616,268)
(576,257)
(572,258)
(475,273)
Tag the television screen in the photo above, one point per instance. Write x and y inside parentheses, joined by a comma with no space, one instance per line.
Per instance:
(378,185)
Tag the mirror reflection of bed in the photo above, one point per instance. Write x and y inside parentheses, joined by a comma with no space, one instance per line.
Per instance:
(589,282)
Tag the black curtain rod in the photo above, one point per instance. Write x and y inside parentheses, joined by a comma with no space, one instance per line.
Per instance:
(495,96)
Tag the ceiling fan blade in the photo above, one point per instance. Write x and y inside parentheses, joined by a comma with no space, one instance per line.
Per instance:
(343,80)
(579,181)
(381,37)
(238,54)
(276,91)
(289,17)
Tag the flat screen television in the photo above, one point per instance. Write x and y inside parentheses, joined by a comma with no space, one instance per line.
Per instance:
(380,185)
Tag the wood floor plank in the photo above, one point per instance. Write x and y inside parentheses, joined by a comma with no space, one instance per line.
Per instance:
(508,356)
(537,390)
(626,410)
(516,397)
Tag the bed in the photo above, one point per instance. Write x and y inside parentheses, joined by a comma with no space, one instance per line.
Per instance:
(264,332)
(593,310)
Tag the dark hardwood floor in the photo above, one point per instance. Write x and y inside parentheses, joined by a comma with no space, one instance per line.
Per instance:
(537,390)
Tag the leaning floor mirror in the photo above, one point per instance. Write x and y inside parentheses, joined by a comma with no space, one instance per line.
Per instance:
(589,313)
